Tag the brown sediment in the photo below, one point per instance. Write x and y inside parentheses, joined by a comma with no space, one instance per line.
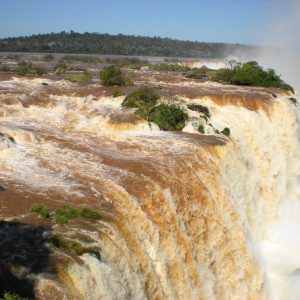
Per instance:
(168,225)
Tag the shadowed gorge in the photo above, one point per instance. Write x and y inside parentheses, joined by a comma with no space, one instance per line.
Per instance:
(177,215)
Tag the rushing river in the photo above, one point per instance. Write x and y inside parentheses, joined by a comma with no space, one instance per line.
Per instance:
(183,215)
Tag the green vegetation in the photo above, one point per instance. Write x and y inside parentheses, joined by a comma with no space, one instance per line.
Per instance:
(41,210)
(81,78)
(48,57)
(117,93)
(199,108)
(200,73)
(60,68)
(25,68)
(226,131)
(89,213)
(249,74)
(169,68)
(94,43)
(293,100)
(12,296)
(143,96)
(168,116)
(72,246)
(65,212)
(201,129)
(11,139)
(61,219)
(112,76)
(83,59)
(143,99)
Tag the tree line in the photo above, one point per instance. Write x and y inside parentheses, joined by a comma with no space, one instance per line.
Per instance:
(96,43)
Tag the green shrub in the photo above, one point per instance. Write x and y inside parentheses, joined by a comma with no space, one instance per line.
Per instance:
(25,68)
(112,76)
(12,296)
(201,129)
(68,211)
(226,131)
(293,100)
(60,68)
(72,246)
(168,117)
(81,78)
(39,71)
(41,210)
(64,213)
(143,97)
(89,213)
(61,219)
(251,74)
(199,108)
(117,93)
(199,73)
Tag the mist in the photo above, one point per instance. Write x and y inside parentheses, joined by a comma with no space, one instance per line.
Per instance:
(282,41)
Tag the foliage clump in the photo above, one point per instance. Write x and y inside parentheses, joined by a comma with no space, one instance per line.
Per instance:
(25,68)
(293,100)
(65,212)
(199,108)
(226,131)
(113,76)
(140,97)
(81,78)
(89,213)
(249,74)
(117,93)
(41,210)
(60,68)
(168,117)
(72,246)
(201,129)
(12,296)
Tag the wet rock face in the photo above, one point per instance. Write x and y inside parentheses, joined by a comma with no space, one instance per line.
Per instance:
(23,255)
(179,212)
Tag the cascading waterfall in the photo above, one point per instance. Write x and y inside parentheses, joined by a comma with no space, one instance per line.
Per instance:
(183,216)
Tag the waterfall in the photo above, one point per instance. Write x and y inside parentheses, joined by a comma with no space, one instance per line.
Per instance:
(183,215)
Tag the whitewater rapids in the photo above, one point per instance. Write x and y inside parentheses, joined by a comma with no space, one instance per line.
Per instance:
(183,215)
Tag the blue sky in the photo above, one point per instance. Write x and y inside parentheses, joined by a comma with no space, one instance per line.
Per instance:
(235,21)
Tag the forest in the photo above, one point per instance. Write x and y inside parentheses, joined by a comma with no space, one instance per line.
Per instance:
(96,43)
